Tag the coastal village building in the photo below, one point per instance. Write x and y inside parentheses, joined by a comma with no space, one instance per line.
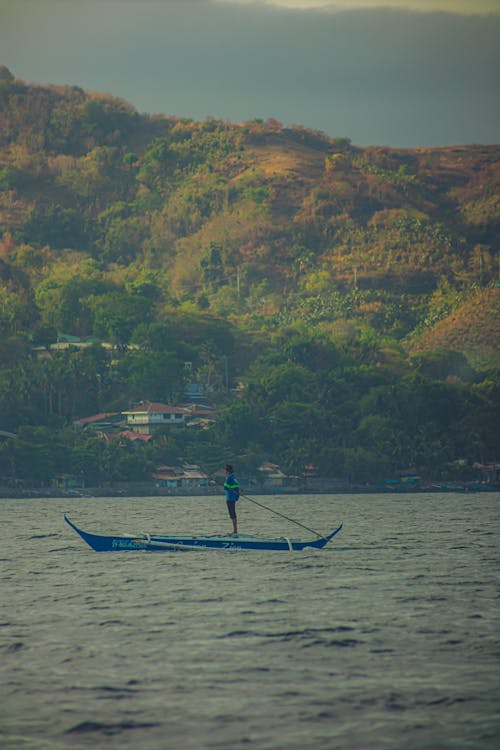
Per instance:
(128,435)
(185,476)
(100,422)
(490,473)
(142,421)
(146,418)
(271,475)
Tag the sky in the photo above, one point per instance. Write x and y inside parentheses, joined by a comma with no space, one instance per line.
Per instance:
(404,73)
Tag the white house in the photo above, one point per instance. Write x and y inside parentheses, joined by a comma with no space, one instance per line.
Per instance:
(147,417)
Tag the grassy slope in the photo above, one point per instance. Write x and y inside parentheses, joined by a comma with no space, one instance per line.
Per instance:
(473,328)
(400,220)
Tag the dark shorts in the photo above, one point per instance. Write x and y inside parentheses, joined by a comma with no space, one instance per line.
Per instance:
(231,507)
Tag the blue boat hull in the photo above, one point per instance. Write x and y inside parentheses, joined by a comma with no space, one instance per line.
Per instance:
(162,543)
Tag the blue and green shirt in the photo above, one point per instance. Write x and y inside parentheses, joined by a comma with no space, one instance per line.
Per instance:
(232,488)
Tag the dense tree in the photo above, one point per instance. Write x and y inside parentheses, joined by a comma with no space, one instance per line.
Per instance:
(117,314)
(157,376)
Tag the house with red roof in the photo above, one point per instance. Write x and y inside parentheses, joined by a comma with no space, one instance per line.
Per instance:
(148,417)
(99,422)
(128,435)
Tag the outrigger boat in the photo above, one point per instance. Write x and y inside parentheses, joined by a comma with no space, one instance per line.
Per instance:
(162,543)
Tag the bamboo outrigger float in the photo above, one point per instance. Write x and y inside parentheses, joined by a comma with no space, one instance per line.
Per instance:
(171,543)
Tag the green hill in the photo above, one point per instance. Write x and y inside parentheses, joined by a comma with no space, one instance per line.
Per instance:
(231,212)
(286,263)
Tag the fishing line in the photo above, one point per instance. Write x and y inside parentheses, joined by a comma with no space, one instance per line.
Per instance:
(321,536)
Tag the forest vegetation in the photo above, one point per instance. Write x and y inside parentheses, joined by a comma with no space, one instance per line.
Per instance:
(338,304)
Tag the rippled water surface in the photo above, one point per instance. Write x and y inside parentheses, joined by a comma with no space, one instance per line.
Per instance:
(388,638)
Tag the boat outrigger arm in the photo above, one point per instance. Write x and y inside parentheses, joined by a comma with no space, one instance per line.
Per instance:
(168,543)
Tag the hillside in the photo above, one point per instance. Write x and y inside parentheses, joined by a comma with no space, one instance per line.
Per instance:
(473,328)
(287,222)
(337,305)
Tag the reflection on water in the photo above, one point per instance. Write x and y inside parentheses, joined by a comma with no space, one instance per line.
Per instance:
(386,639)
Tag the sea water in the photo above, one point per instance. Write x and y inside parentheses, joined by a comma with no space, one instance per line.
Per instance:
(388,638)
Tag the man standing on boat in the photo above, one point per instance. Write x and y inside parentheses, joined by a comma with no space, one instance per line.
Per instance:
(232,489)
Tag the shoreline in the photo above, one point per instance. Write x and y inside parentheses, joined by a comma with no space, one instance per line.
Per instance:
(104,492)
